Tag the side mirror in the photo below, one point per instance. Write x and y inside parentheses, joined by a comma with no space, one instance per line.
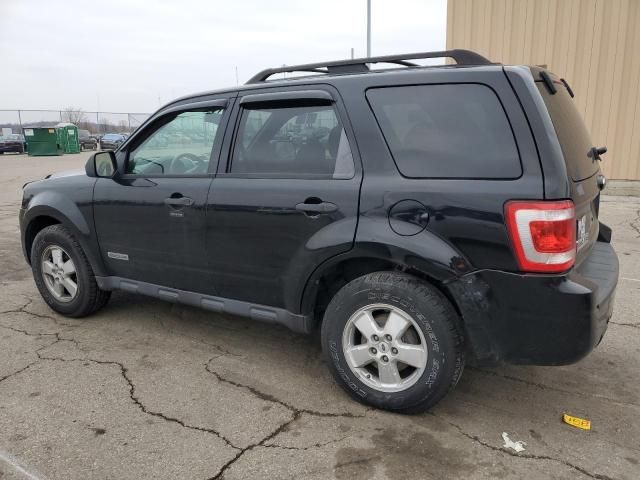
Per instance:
(102,164)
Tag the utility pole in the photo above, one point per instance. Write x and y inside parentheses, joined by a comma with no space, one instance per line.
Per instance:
(368,28)
(237,81)
(351,53)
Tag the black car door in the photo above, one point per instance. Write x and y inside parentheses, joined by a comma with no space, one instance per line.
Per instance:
(286,199)
(150,219)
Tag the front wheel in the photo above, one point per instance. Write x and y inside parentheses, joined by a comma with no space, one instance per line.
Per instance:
(393,341)
(63,274)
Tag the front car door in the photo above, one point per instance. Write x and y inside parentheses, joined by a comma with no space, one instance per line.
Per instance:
(286,199)
(150,219)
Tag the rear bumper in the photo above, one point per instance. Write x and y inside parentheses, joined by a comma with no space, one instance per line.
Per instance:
(11,149)
(539,319)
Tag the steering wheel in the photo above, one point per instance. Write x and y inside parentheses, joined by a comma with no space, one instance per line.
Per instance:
(185,163)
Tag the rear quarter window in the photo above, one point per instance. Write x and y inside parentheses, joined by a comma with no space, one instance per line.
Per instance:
(446,131)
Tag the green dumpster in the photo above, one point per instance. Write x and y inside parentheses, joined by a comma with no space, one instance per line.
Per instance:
(42,141)
(68,137)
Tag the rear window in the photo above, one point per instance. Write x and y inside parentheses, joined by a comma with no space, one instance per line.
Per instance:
(446,131)
(572,133)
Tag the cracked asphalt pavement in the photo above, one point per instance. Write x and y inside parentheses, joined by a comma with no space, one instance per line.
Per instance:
(147,389)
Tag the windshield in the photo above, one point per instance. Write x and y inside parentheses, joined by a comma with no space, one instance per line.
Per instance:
(111,136)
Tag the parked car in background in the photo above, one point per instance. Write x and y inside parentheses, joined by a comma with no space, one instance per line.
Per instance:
(87,141)
(12,143)
(111,141)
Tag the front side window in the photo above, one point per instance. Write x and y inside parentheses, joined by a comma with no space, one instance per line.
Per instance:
(446,131)
(181,146)
(292,141)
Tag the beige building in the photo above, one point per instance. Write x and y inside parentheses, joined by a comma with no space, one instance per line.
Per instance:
(593,44)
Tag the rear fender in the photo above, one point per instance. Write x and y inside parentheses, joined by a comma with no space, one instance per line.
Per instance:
(423,253)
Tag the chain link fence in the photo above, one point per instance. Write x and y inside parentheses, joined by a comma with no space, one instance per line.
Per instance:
(97,123)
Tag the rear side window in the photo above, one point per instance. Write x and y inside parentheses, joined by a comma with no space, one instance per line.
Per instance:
(572,133)
(446,131)
(292,141)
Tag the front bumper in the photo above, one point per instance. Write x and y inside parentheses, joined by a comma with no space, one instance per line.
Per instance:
(539,319)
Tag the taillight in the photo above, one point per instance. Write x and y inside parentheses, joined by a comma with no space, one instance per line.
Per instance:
(543,234)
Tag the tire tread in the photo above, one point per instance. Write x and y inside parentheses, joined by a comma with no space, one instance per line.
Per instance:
(97,298)
(436,300)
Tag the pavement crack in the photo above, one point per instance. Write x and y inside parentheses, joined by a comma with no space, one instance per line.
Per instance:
(37,352)
(310,447)
(28,366)
(549,387)
(296,414)
(26,332)
(270,398)
(635,223)
(528,456)
(624,324)
(261,443)
(24,310)
(124,372)
(223,351)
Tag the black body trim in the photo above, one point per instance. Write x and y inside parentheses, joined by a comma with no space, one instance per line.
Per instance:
(321,96)
(297,323)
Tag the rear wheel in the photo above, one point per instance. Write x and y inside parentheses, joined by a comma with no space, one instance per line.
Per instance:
(63,274)
(393,341)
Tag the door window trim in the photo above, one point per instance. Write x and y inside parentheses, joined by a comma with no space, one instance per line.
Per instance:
(162,118)
(279,98)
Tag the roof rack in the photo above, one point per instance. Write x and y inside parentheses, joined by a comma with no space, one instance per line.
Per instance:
(360,65)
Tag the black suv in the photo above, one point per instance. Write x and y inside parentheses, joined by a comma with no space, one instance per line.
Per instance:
(416,215)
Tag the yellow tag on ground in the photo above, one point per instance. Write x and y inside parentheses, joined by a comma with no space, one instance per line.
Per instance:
(576,422)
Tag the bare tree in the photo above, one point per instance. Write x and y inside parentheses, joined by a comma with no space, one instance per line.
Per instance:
(123,126)
(73,115)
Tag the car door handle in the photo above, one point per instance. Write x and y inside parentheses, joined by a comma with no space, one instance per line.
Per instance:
(322,207)
(178,201)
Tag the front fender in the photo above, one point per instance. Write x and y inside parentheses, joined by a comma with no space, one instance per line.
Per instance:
(59,206)
(73,213)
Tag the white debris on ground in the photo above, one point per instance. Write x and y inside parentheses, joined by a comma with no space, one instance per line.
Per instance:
(508,443)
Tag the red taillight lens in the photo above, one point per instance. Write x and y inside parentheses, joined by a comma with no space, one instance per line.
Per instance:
(553,237)
(543,234)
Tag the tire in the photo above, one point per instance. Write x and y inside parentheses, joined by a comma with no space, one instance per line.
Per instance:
(434,328)
(88,298)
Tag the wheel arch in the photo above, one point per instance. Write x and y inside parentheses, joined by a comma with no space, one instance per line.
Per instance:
(336,272)
(40,216)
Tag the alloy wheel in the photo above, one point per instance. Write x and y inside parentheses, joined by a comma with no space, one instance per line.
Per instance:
(59,273)
(384,347)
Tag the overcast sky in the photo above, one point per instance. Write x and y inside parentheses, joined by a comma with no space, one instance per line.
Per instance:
(127,56)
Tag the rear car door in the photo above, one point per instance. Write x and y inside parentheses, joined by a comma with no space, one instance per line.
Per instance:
(286,199)
(150,219)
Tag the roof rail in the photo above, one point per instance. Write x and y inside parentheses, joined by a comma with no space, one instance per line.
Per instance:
(359,65)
